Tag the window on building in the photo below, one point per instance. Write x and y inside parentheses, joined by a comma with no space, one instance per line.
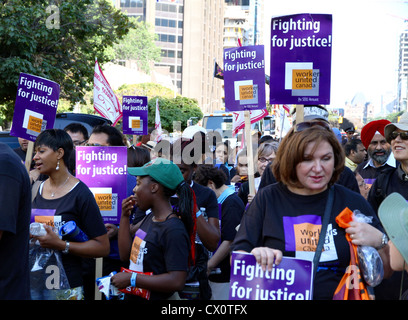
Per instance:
(168,53)
(132,3)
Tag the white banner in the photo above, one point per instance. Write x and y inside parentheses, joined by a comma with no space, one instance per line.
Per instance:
(239,121)
(282,120)
(105,101)
(157,123)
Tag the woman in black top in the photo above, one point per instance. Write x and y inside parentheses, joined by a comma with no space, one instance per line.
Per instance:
(67,199)
(162,248)
(285,219)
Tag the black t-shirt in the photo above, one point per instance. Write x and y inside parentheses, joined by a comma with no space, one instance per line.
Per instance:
(205,198)
(160,247)
(232,210)
(78,205)
(22,155)
(15,208)
(280,219)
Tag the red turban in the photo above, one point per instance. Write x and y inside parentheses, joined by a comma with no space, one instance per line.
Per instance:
(369,130)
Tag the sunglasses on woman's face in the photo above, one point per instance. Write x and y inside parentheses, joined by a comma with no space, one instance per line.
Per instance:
(395,134)
(308,124)
(93,145)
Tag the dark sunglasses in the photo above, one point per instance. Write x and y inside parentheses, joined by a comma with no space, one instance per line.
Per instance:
(395,134)
(93,145)
(309,124)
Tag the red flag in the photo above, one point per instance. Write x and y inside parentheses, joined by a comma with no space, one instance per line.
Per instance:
(105,101)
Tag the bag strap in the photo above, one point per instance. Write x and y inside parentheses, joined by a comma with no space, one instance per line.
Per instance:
(34,189)
(322,237)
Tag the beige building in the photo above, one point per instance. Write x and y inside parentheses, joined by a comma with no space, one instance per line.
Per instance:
(190,35)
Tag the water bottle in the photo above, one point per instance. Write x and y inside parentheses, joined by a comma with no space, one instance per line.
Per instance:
(71,231)
(204,214)
(37,229)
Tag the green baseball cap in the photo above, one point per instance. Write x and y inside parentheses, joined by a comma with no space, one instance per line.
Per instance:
(393,213)
(162,170)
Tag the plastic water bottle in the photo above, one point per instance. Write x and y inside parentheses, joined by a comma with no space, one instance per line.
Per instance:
(37,229)
(204,214)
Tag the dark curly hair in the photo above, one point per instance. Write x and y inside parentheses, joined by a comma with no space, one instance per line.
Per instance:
(206,172)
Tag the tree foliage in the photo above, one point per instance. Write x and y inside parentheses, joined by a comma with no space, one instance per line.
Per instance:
(139,45)
(147,89)
(171,108)
(58,40)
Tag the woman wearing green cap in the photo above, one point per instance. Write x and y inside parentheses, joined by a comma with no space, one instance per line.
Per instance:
(164,241)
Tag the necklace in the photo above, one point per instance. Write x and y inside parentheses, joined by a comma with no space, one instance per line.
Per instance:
(53,193)
(161,220)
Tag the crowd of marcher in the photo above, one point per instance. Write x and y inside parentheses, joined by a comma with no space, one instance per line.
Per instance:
(189,204)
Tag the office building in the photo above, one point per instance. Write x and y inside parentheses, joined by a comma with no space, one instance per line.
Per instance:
(190,35)
(403,71)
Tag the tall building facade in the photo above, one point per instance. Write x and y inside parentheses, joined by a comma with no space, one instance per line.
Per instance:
(190,37)
(244,20)
(403,71)
(203,45)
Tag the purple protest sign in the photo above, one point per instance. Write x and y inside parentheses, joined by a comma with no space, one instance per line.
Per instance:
(244,78)
(301,59)
(290,280)
(46,216)
(369,182)
(35,107)
(135,110)
(104,171)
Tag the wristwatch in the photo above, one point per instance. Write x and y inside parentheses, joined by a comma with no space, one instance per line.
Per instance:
(66,250)
(384,241)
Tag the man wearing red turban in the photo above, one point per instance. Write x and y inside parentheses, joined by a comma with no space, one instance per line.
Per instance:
(380,157)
